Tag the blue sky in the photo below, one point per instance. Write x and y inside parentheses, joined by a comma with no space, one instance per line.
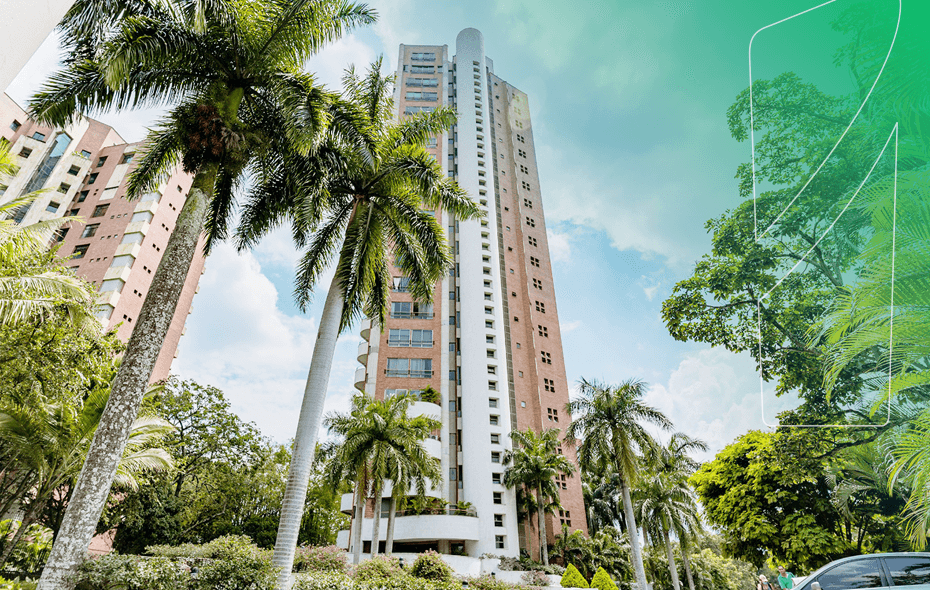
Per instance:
(629,103)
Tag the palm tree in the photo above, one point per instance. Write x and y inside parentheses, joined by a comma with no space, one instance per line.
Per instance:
(379,442)
(47,444)
(33,281)
(607,421)
(533,463)
(243,106)
(603,504)
(379,206)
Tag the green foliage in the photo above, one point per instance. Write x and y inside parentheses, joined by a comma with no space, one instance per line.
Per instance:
(16,585)
(430,566)
(710,570)
(607,548)
(602,581)
(377,568)
(316,558)
(764,507)
(430,395)
(572,578)
(32,549)
(341,581)
(132,573)
(486,582)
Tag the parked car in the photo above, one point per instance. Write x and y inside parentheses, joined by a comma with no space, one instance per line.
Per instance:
(879,570)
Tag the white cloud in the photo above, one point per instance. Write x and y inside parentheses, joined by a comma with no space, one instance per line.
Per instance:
(330,63)
(240,341)
(560,250)
(565,327)
(714,395)
(650,286)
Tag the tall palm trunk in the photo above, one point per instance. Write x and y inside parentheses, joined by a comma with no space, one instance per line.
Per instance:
(127,390)
(392,514)
(687,563)
(376,521)
(357,541)
(672,567)
(635,549)
(543,541)
(308,426)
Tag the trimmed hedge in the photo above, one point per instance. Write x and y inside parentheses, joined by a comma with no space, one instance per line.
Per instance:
(602,581)
(573,578)
(429,566)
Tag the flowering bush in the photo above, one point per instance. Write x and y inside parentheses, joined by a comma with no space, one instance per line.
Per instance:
(486,582)
(338,581)
(329,558)
(535,578)
(430,566)
(512,564)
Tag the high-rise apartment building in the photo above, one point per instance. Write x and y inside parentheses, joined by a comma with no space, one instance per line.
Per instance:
(83,170)
(490,341)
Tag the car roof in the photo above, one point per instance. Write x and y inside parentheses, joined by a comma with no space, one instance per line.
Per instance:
(821,569)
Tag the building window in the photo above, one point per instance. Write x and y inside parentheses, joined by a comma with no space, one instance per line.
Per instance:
(52,207)
(520,138)
(495,439)
(422,96)
(489,311)
(545,357)
(534,261)
(410,338)
(101,161)
(543,331)
(553,415)
(531,222)
(540,307)
(498,497)
(82,196)
(489,339)
(488,323)
(421,368)
(15,125)
(38,136)
(495,457)
(25,152)
(421,82)
(414,110)
(537,284)
(532,241)
(499,520)
(499,541)
(92,178)
(407,309)
(127,158)
(401,284)
(492,354)
(453,474)
(423,57)
(492,370)
(80,251)
(549,384)
(90,230)
(492,385)
(61,233)
(73,171)
(100,210)
(495,478)
(492,402)
(521,153)
(525,170)
(526,185)
(495,420)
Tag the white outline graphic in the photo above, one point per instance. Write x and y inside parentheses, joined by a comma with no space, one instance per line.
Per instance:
(894,132)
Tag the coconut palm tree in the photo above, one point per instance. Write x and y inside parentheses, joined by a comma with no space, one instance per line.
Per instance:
(242,106)
(33,281)
(665,504)
(533,463)
(379,214)
(379,442)
(607,422)
(47,444)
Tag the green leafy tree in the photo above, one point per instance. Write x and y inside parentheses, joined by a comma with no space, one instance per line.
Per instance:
(608,425)
(240,105)
(766,507)
(534,463)
(380,214)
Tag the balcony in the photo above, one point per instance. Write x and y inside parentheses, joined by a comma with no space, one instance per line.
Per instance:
(360,378)
(410,343)
(365,328)
(424,409)
(429,527)
(363,352)
(418,374)
(425,315)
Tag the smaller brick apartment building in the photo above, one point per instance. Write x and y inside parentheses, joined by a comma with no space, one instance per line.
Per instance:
(118,244)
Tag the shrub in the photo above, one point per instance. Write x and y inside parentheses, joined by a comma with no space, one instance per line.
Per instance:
(430,566)
(378,568)
(486,582)
(329,558)
(573,578)
(132,572)
(235,564)
(184,550)
(15,585)
(602,581)
(535,578)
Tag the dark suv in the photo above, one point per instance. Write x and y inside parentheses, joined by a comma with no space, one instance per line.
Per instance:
(880,570)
